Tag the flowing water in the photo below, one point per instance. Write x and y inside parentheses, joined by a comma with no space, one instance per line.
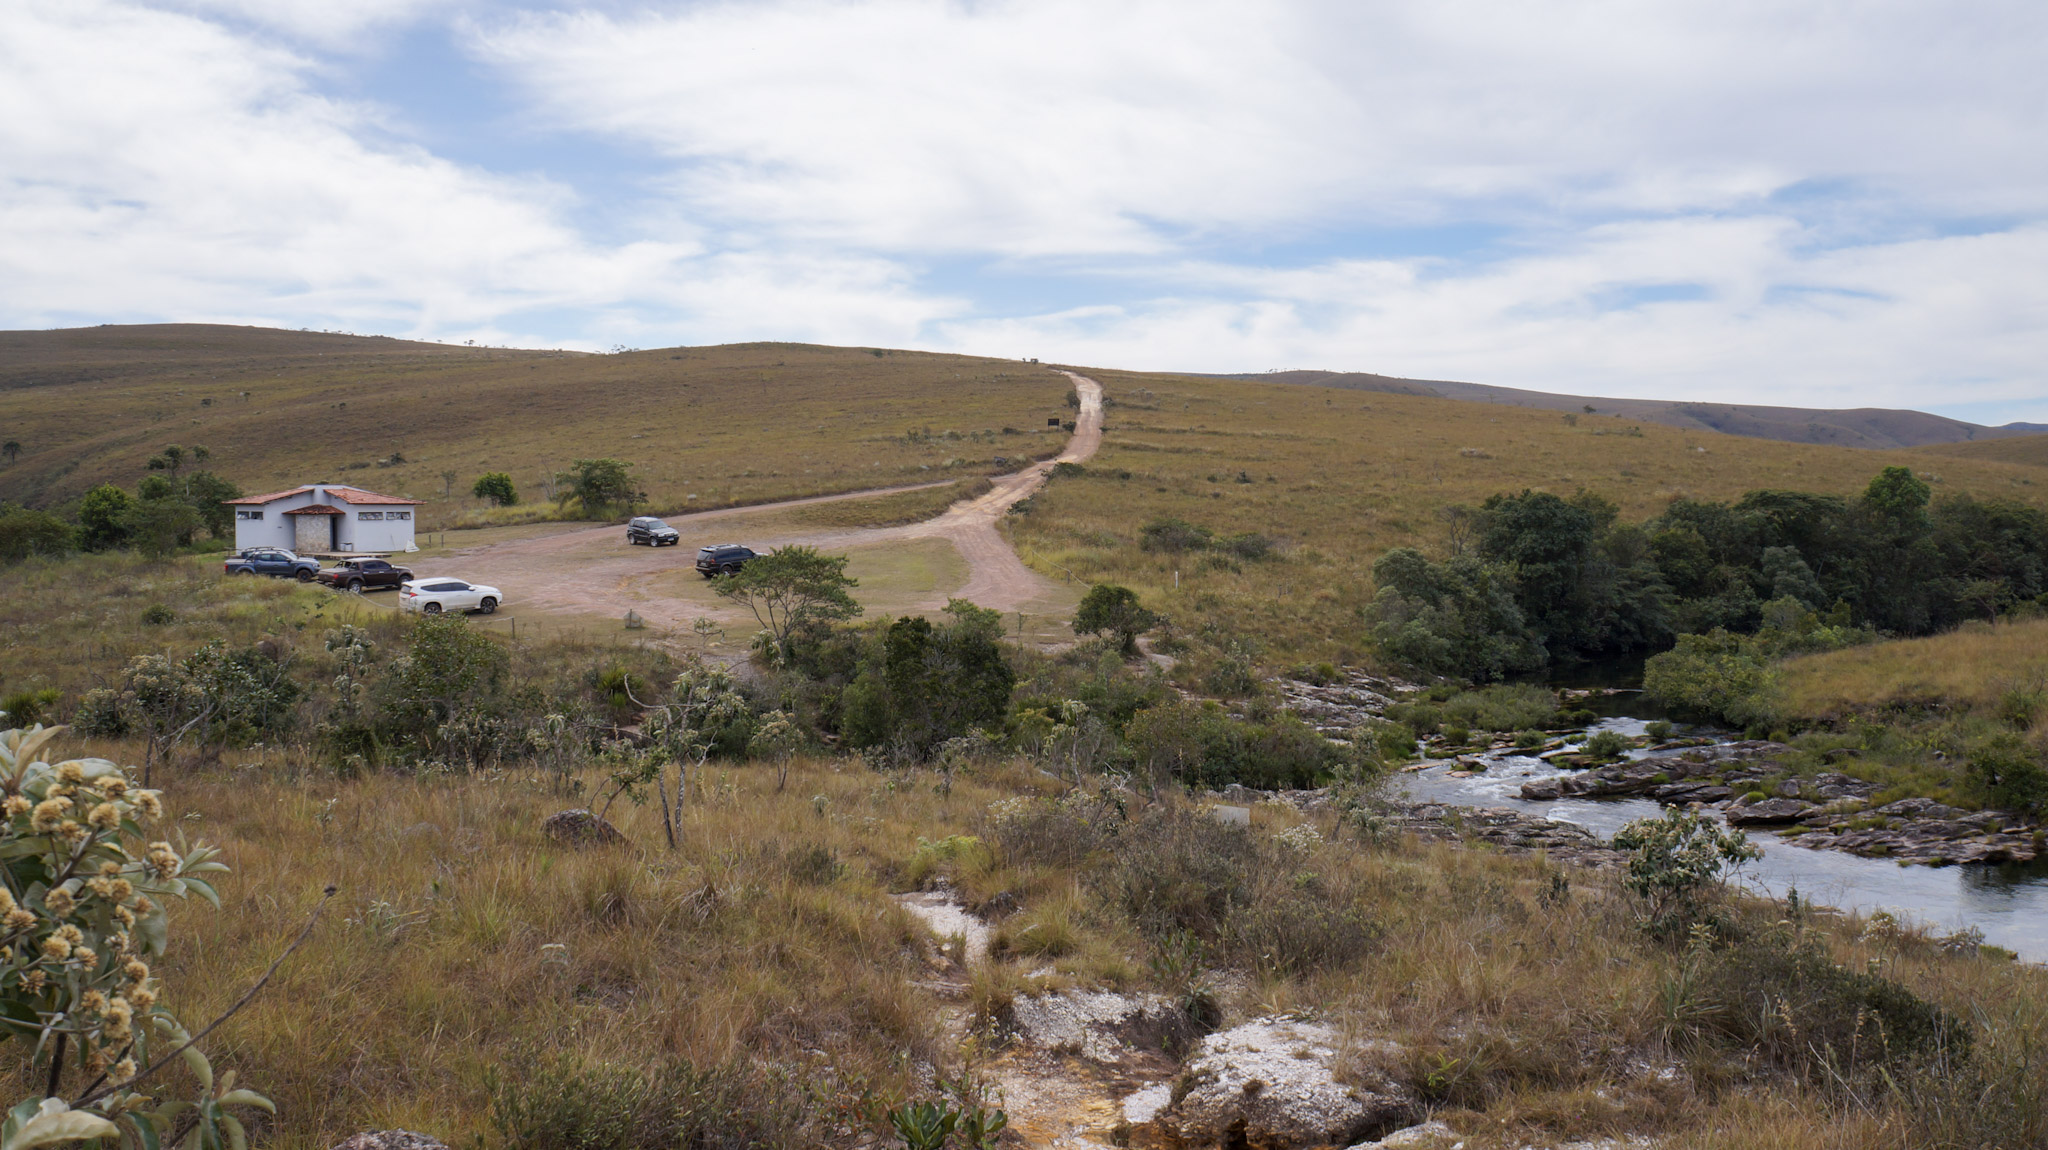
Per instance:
(2008,903)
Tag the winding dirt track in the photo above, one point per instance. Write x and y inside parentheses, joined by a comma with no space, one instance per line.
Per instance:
(592,571)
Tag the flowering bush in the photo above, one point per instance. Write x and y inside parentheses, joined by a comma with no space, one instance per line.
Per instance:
(82,894)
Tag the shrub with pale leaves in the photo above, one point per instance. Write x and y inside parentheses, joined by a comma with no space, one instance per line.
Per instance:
(82,900)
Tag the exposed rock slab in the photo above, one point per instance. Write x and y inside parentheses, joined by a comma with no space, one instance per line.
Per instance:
(1269,1085)
(1097,1025)
(390,1140)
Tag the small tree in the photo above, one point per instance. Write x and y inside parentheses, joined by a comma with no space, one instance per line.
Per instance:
(82,912)
(790,588)
(1115,610)
(24,532)
(209,494)
(102,516)
(497,487)
(12,450)
(1674,861)
(601,485)
(707,710)
(160,522)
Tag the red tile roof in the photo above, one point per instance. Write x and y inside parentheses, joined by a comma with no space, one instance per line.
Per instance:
(358,495)
(316,509)
(354,495)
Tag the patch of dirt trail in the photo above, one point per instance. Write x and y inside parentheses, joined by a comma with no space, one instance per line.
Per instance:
(593,571)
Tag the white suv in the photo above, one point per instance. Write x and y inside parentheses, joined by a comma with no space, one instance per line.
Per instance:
(433,596)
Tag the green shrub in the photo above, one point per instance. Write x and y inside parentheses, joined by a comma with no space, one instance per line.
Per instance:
(1502,707)
(497,487)
(1658,730)
(1790,1004)
(1674,863)
(1604,745)
(2002,771)
(1457,736)
(1717,677)
(1203,745)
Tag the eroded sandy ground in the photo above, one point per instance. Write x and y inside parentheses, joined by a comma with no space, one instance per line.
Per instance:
(593,572)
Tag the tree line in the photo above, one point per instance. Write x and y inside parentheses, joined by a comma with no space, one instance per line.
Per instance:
(1536,578)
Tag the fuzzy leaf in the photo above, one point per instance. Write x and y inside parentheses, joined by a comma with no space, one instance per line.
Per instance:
(55,1122)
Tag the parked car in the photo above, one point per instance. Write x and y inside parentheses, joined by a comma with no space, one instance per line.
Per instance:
(273,561)
(722,559)
(364,575)
(433,596)
(651,531)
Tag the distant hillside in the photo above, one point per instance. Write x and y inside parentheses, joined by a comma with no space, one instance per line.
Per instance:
(2028,449)
(705,426)
(1856,427)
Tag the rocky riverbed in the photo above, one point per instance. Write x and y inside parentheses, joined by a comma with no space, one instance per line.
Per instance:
(1829,811)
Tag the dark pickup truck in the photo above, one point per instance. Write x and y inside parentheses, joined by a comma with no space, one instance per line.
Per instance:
(274,561)
(364,575)
(722,559)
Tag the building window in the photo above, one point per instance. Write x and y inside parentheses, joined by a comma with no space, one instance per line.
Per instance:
(401,515)
(368,515)
(258,514)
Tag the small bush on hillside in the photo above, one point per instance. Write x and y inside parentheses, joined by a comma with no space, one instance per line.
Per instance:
(561,1103)
(1201,744)
(497,487)
(1674,863)
(2003,771)
(1789,1003)
(1174,536)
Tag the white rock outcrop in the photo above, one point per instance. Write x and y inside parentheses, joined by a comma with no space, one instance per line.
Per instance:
(1269,1085)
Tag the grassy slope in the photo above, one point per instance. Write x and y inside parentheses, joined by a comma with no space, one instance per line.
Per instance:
(1977,668)
(2028,449)
(1340,476)
(735,424)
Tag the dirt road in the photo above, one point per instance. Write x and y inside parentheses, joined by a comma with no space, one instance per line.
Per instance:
(593,572)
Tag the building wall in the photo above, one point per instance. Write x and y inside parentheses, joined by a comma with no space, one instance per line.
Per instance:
(374,527)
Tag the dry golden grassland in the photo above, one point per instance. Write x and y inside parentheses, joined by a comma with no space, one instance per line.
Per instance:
(463,944)
(2028,449)
(1978,667)
(1338,477)
(705,427)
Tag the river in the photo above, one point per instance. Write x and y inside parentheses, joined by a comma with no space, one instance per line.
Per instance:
(2008,903)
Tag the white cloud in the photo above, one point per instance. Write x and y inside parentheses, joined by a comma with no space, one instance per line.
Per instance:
(1723,198)
(1086,126)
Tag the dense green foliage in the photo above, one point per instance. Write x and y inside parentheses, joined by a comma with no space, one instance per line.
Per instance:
(918,685)
(601,486)
(1549,578)
(791,590)
(1115,610)
(497,487)
(1728,678)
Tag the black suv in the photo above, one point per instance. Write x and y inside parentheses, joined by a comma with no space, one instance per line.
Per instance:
(651,531)
(722,559)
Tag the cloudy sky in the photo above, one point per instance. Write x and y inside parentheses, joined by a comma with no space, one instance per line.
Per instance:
(1827,204)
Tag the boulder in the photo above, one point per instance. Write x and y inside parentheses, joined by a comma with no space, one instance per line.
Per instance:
(1428,1136)
(1268,1085)
(390,1140)
(1097,1025)
(580,828)
(1768,811)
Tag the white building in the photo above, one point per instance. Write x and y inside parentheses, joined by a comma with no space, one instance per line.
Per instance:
(323,519)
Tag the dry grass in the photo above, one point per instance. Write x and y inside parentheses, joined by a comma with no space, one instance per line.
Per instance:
(1979,667)
(464,944)
(728,425)
(2027,449)
(1338,477)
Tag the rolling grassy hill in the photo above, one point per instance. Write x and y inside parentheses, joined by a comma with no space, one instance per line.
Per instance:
(1338,476)
(2031,450)
(1856,427)
(705,427)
